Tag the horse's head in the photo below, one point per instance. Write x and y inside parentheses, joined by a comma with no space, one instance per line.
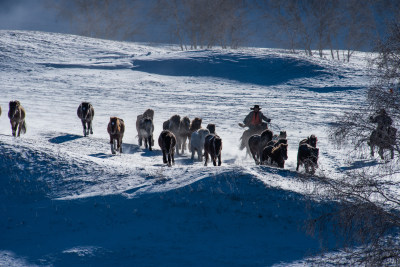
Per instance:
(267,135)
(14,106)
(85,107)
(211,128)
(196,124)
(166,125)
(149,113)
(114,125)
(283,149)
(185,123)
(282,135)
(312,140)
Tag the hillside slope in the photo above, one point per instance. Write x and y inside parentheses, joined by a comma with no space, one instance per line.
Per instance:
(66,201)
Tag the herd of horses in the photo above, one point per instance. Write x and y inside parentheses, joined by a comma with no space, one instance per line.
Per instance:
(262,145)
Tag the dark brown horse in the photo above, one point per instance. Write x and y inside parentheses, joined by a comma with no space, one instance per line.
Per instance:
(85,112)
(116,129)
(384,139)
(16,114)
(307,156)
(167,143)
(257,143)
(244,139)
(173,126)
(276,155)
(213,146)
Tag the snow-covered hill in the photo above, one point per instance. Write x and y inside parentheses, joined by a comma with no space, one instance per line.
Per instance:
(66,201)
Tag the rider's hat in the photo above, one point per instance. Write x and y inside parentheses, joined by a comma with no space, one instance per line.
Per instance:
(255,106)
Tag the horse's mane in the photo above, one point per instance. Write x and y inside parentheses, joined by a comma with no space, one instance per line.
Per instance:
(176,119)
(278,148)
(196,124)
(211,128)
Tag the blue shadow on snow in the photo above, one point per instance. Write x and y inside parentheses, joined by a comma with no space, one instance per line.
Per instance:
(64,138)
(245,69)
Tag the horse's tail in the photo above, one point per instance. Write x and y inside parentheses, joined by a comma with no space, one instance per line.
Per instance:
(23,127)
(218,145)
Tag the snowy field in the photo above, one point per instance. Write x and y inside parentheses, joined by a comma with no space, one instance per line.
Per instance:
(67,201)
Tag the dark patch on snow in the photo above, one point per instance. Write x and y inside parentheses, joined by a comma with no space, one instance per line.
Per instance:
(64,138)
(332,89)
(102,155)
(360,164)
(246,69)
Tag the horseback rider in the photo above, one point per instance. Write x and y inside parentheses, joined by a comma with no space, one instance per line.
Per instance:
(384,122)
(254,120)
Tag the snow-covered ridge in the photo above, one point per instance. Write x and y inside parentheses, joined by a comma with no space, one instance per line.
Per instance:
(95,208)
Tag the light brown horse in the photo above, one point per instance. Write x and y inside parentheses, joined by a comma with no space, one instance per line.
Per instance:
(116,129)
(184,133)
(167,143)
(16,114)
(85,112)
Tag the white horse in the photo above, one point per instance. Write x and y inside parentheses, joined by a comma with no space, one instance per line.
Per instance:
(197,142)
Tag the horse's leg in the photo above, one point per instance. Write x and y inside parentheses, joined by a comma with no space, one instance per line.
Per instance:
(206,156)
(169,160)
(164,155)
(13,128)
(214,158)
(253,154)
(145,143)
(173,157)
(149,140)
(372,149)
(84,127)
(90,123)
(19,126)
(178,145)
(112,145)
(312,168)
(193,151)
(120,144)
(140,140)
(199,154)
(392,153)
(380,152)
(219,159)
(183,144)
(282,164)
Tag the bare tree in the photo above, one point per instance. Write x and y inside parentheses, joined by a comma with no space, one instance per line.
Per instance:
(111,19)
(205,23)
(366,212)
(365,217)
